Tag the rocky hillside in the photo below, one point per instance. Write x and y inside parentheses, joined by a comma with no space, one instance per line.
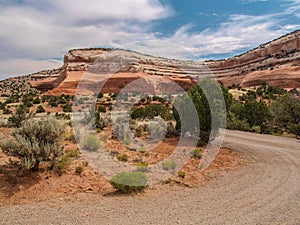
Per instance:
(276,62)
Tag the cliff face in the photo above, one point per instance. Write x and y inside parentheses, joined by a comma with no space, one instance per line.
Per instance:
(277,63)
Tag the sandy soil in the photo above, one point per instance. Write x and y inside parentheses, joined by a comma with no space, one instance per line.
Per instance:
(18,186)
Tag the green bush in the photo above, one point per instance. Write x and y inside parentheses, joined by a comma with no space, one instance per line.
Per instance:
(35,141)
(67,108)
(127,141)
(169,165)
(181,174)
(36,101)
(20,115)
(92,143)
(129,182)
(142,149)
(63,163)
(142,166)
(78,170)
(40,109)
(102,109)
(73,153)
(237,124)
(197,153)
(122,157)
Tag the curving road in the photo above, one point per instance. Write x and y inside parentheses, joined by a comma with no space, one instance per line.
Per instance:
(264,192)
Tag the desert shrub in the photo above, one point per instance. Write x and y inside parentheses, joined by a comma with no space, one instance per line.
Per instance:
(151,111)
(63,163)
(170,129)
(142,149)
(102,109)
(127,141)
(129,182)
(40,109)
(197,153)
(237,124)
(20,115)
(36,101)
(73,153)
(169,165)
(122,157)
(78,170)
(138,113)
(67,108)
(181,174)
(142,166)
(102,120)
(85,163)
(35,141)
(92,143)
(7,111)
(256,129)
(139,131)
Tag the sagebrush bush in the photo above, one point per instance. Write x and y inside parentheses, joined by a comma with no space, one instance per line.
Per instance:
(92,143)
(35,141)
(129,182)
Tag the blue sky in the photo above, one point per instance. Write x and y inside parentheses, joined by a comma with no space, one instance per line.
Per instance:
(36,34)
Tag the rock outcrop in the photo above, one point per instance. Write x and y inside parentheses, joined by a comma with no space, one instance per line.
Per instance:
(276,62)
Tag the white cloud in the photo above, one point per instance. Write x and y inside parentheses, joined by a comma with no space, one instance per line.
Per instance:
(293,7)
(48,28)
(237,33)
(26,66)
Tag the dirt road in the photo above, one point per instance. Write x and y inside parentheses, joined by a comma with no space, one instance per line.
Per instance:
(264,192)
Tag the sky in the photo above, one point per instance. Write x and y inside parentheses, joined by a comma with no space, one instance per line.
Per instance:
(34,35)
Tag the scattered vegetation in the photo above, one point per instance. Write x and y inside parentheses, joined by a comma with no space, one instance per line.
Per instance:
(92,142)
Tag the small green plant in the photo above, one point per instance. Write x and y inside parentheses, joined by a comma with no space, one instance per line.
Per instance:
(127,141)
(92,143)
(122,157)
(197,153)
(104,137)
(142,166)
(169,165)
(78,170)
(142,149)
(63,163)
(85,163)
(129,182)
(181,174)
(73,153)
